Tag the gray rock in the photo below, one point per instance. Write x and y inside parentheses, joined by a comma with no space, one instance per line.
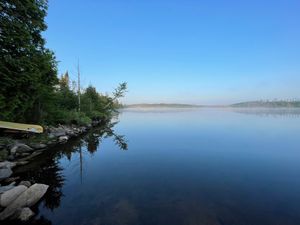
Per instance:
(63,138)
(6,188)
(7,197)
(25,154)
(5,173)
(22,163)
(25,183)
(37,145)
(20,148)
(7,164)
(25,214)
(34,154)
(28,198)
(51,136)
(57,132)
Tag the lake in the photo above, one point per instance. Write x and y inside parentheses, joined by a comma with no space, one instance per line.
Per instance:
(201,166)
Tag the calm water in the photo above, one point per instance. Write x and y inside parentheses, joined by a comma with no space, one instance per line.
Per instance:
(204,166)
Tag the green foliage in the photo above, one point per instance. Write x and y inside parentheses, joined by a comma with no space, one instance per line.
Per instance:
(27,68)
(98,106)
(30,89)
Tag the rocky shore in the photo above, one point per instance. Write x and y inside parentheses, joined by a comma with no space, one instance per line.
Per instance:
(17,196)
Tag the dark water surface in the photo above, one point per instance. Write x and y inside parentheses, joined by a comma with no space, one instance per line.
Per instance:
(200,166)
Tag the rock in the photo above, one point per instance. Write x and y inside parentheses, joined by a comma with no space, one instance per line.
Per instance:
(34,154)
(37,145)
(5,173)
(25,214)
(19,155)
(28,198)
(7,164)
(63,138)
(22,163)
(25,183)
(7,197)
(57,132)
(20,148)
(7,187)
(51,136)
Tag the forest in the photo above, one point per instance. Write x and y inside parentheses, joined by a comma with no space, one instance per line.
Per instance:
(31,90)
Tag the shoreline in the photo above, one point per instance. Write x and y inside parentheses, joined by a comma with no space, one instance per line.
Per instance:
(16,195)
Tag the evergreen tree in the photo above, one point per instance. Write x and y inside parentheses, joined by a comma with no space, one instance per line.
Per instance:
(27,68)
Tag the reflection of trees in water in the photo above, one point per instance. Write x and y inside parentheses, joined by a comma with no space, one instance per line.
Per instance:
(270,112)
(46,168)
(94,139)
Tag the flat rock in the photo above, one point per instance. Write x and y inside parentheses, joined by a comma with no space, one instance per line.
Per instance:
(25,214)
(5,173)
(20,148)
(7,197)
(28,198)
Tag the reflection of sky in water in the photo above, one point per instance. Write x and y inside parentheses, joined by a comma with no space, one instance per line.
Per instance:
(203,166)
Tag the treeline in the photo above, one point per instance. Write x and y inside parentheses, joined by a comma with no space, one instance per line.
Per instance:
(30,88)
(270,104)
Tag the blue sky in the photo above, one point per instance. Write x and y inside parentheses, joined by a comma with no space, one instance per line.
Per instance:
(183,51)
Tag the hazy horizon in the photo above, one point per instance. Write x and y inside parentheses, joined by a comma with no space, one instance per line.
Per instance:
(216,52)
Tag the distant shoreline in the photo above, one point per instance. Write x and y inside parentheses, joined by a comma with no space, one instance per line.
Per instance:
(250,104)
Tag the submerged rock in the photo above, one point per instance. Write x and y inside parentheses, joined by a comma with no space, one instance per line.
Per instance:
(25,214)
(9,196)
(26,199)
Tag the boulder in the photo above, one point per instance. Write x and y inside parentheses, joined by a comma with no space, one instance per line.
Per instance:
(25,183)
(28,198)
(57,132)
(5,172)
(7,164)
(7,187)
(7,197)
(20,148)
(25,214)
